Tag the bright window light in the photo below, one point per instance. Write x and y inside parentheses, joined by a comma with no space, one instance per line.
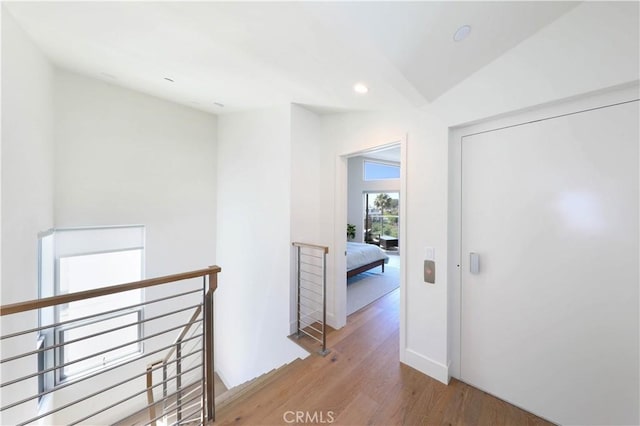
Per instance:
(380,171)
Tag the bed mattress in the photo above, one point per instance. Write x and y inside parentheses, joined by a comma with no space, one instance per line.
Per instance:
(360,254)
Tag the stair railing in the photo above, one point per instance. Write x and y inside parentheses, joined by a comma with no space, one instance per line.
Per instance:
(311,292)
(114,390)
(176,406)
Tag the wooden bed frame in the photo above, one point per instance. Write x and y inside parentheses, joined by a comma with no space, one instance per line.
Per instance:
(366,267)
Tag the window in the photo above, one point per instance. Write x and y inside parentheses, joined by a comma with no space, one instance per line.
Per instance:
(381,215)
(380,171)
(73,260)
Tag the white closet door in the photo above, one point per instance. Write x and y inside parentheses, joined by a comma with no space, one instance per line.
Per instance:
(550,319)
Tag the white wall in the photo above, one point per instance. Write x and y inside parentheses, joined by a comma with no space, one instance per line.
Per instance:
(254,244)
(307,210)
(306,176)
(426,198)
(120,158)
(127,158)
(27,189)
(27,159)
(357,186)
(107,156)
(571,56)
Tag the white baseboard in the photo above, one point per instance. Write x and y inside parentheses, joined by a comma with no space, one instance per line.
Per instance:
(426,365)
(331,321)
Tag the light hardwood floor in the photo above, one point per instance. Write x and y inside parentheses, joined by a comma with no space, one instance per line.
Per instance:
(361,382)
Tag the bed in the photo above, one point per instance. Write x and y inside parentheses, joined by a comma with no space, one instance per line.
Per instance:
(362,257)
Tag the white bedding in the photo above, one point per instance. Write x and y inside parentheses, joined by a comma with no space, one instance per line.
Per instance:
(359,254)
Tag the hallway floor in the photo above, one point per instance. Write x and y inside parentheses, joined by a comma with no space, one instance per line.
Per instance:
(361,382)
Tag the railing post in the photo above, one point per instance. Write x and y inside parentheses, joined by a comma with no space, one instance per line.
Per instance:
(179,381)
(324,304)
(298,290)
(209,346)
(203,380)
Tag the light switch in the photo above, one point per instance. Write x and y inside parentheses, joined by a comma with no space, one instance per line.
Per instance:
(430,253)
(430,271)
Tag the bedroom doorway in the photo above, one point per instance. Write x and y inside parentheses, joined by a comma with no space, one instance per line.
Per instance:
(373,254)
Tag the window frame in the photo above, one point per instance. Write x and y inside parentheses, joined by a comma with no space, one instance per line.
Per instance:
(48,316)
(61,377)
(379,162)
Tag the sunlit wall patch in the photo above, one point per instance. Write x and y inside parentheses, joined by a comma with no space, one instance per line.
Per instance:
(581,211)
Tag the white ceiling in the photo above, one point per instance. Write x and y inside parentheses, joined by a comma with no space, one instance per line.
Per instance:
(251,55)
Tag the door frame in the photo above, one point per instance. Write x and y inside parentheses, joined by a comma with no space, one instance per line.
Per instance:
(457,261)
(339,290)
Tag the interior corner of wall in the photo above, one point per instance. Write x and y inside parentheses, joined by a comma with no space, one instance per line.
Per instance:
(222,377)
(425,365)
(331,320)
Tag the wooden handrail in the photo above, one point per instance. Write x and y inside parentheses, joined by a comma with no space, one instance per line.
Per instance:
(104,291)
(315,246)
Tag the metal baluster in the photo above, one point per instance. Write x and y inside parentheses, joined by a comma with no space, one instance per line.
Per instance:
(298,290)
(324,305)
(179,381)
(204,354)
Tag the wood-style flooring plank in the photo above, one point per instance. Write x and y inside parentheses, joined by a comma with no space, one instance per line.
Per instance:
(362,382)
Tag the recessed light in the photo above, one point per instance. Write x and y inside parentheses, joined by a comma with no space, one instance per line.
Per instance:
(462,33)
(360,88)
(169,79)
(218,104)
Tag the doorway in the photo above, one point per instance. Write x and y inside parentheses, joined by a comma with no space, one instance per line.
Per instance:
(355,183)
(547,301)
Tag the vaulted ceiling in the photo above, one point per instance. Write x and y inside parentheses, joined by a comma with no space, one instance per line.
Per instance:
(249,55)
